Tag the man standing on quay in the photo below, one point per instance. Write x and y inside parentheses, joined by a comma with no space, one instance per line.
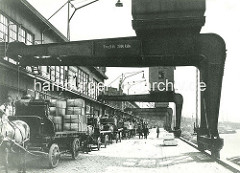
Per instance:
(158,131)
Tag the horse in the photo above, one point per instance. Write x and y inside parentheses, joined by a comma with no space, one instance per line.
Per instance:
(13,138)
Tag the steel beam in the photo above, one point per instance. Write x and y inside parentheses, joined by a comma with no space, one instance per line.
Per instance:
(158,109)
(155,113)
(154,97)
(118,52)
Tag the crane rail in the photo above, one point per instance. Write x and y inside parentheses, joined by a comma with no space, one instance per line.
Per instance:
(219,161)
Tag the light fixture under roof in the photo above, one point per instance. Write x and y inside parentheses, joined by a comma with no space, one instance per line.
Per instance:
(119,4)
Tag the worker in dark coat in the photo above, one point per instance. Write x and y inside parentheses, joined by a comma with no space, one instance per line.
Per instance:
(139,131)
(145,132)
(157,131)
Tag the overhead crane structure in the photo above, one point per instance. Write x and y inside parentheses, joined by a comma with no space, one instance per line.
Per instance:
(71,5)
(133,83)
(125,76)
(167,34)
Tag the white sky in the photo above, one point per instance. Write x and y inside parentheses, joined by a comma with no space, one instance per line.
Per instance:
(103,20)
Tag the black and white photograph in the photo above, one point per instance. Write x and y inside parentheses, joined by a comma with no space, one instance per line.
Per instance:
(119,86)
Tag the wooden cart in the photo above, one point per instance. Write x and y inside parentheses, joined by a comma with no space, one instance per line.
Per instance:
(44,140)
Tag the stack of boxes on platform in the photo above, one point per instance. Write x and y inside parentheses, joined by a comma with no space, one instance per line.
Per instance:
(57,112)
(75,119)
(68,115)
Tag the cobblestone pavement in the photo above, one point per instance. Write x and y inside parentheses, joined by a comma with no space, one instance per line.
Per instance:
(134,156)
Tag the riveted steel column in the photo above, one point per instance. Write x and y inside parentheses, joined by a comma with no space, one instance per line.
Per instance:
(212,48)
(178,99)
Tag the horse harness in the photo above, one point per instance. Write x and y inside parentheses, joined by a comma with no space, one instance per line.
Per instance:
(16,127)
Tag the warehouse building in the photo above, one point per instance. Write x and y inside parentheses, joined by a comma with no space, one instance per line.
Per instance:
(21,22)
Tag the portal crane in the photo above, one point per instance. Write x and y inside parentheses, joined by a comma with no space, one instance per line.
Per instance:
(168,34)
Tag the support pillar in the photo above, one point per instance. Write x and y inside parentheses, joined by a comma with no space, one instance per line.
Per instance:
(178,99)
(212,49)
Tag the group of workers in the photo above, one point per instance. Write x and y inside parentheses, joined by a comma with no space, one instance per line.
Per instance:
(143,131)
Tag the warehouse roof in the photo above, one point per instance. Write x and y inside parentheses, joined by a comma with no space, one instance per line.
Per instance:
(43,19)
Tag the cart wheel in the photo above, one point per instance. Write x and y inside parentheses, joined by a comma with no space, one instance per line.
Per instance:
(98,143)
(75,148)
(53,156)
(200,147)
(89,147)
(106,141)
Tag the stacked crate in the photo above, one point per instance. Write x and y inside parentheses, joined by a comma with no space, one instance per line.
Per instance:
(75,119)
(57,112)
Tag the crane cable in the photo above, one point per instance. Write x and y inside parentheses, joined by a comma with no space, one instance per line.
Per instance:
(130,75)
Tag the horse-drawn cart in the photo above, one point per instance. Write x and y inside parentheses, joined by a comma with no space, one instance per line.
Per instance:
(110,131)
(93,138)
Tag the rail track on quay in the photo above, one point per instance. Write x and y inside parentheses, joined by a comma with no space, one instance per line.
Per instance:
(224,163)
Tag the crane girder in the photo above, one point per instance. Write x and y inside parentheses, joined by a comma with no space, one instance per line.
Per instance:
(116,52)
(153,97)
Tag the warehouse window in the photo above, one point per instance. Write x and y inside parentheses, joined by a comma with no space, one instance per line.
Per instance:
(3,28)
(61,75)
(86,82)
(53,73)
(79,84)
(96,90)
(12,32)
(44,71)
(70,78)
(57,74)
(21,35)
(82,81)
(29,40)
(65,75)
(48,69)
